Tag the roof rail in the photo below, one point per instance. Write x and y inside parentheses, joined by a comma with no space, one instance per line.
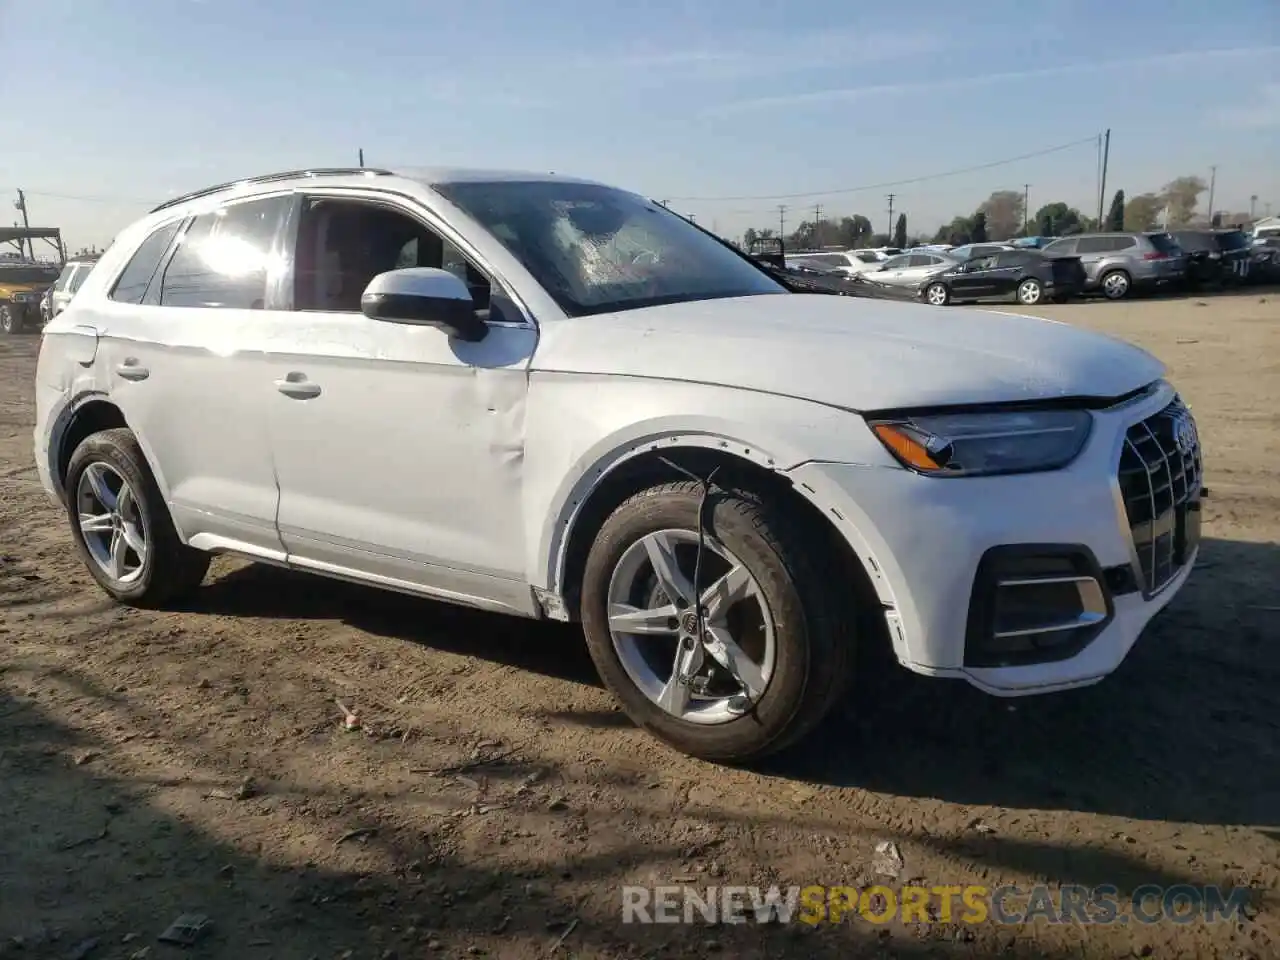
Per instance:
(272,177)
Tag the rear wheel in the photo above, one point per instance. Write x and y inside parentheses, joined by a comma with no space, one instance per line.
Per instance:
(9,322)
(774,652)
(1030,292)
(937,294)
(121,526)
(1115,285)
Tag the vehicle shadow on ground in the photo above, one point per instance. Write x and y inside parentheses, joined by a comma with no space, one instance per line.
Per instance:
(551,649)
(1188,729)
(76,826)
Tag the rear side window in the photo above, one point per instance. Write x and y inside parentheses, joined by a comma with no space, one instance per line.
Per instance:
(1094,245)
(78,278)
(1164,243)
(63,278)
(920,260)
(131,287)
(1193,241)
(224,257)
(1012,258)
(868,258)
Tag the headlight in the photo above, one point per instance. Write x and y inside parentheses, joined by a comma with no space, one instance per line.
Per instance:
(977,444)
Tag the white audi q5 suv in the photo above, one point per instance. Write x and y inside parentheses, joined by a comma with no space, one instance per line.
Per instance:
(553,398)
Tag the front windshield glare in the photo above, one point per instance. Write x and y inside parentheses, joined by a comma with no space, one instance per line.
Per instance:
(597,249)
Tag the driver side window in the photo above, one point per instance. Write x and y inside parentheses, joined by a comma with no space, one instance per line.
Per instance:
(980,263)
(343,244)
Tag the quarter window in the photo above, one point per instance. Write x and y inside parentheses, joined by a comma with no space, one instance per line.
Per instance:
(132,284)
(225,257)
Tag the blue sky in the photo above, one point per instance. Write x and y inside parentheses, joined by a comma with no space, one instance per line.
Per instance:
(693,99)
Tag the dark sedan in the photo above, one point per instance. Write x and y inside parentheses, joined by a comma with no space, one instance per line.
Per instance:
(1024,276)
(1215,257)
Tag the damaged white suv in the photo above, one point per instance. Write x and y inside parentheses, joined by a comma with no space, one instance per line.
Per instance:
(553,398)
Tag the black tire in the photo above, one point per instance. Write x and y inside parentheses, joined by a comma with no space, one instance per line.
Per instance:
(946,294)
(814,644)
(171,568)
(1116,275)
(9,321)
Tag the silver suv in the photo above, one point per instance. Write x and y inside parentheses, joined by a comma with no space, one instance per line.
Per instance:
(64,288)
(1116,263)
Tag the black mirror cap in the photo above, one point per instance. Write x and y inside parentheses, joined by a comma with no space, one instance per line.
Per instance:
(457,318)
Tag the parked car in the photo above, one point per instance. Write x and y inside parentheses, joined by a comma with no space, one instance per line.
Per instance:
(1118,263)
(1026,276)
(970,250)
(556,399)
(849,262)
(22,286)
(64,288)
(911,269)
(1036,243)
(1215,256)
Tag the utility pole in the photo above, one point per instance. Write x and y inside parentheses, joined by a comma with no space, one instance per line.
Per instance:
(362,156)
(1102,183)
(26,225)
(782,220)
(1213,183)
(1026,207)
(890,199)
(817,226)
(1253,203)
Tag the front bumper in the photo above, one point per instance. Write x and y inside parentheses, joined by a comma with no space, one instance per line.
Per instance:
(927,543)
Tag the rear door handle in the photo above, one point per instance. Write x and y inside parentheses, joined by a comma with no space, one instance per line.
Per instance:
(130,369)
(297,385)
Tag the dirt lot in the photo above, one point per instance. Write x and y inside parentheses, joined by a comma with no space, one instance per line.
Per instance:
(152,764)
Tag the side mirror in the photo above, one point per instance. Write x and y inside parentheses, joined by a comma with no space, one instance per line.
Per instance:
(427,297)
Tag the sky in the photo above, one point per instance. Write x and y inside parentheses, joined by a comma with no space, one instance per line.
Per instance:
(724,109)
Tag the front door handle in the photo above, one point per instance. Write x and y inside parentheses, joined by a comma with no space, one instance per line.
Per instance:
(297,385)
(130,369)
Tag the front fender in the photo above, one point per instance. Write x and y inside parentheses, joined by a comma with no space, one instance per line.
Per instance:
(579,430)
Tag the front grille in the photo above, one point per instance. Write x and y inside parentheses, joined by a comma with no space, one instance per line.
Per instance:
(1160,475)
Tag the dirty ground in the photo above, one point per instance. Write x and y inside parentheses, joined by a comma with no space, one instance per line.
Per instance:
(488,800)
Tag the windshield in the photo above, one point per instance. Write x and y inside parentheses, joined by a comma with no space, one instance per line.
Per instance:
(596,249)
(28,274)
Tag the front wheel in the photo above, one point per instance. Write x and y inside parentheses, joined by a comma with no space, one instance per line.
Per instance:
(937,294)
(121,526)
(1115,285)
(1030,292)
(9,323)
(773,653)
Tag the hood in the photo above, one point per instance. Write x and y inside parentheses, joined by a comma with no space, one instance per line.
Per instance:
(847,352)
(8,289)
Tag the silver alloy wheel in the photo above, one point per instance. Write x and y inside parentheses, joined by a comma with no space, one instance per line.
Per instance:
(6,319)
(653,626)
(936,295)
(111,523)
(1115,286)
(1030,292)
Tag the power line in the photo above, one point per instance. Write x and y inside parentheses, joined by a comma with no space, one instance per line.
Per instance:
(900,183)
(87,198)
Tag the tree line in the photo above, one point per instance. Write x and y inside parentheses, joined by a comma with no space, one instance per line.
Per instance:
(1003,216)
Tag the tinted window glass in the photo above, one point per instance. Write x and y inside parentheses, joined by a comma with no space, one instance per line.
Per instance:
(224,258)
(1164,243)
(1093,245)
(1064,247)
(1233,240)
(868,258)
(78,278)
(1122,243)
(64,277)
(919,260)
(1193,241)
(1012,258)
(131,287)
(896,263)
(981,263)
